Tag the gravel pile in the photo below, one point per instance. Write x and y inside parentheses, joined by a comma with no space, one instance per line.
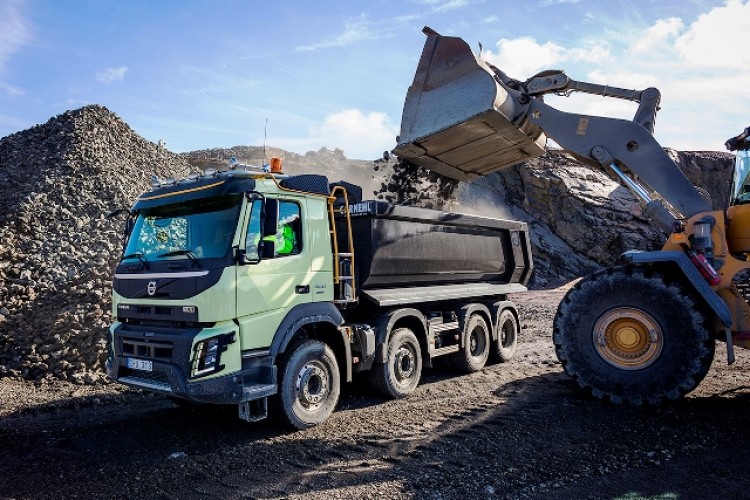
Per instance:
(58,181)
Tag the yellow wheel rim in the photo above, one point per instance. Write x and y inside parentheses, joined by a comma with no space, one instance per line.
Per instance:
(628,338)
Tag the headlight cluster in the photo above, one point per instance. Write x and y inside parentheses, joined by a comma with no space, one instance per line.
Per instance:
(207,354)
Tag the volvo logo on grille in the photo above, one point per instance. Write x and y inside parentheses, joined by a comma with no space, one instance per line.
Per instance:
(151,288)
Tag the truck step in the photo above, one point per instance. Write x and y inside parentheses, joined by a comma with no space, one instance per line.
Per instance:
(147,383)
(254,411)
(446,350)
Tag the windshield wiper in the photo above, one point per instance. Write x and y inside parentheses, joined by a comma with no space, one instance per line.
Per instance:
(188,253)
(140,257)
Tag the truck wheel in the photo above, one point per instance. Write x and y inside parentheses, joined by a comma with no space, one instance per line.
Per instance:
(507,337)
(630,337)
(310,385)
(476,348)
(400,374)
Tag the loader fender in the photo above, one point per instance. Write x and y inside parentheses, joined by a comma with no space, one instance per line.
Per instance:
(695,279)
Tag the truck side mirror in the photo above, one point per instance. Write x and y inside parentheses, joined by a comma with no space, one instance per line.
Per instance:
(271,218)
(267,249)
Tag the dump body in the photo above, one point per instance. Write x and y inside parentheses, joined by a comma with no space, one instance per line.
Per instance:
(398,246)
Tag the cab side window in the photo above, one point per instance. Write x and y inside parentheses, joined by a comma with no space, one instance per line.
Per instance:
(288,237)
(289,230)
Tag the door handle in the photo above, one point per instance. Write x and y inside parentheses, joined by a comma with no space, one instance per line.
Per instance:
(302,289)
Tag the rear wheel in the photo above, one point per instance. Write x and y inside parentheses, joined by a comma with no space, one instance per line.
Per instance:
(507,337)
(476,348)
(630,337)
(310,384)
(400,374)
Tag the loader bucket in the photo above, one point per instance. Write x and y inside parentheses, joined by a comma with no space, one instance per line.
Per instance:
(459,120)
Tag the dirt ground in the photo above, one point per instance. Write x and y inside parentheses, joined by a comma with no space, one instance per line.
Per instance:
(513,430)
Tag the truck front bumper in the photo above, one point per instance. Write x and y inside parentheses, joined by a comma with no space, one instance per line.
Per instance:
(163,365)
(249,384)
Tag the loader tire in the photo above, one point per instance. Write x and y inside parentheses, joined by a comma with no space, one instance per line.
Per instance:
(476,350)
(310,384)
(632,336)
(400,374)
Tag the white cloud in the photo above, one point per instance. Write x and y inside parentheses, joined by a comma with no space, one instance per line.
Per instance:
(718,38)
(550,3)
(359,135)
(354,31)
(655,37)
(446,5)
(14,30)
(11,90)
(14,33)
(701,68)
(523,57)
(110,75)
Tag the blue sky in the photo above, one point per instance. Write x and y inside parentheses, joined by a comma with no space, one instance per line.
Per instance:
(201,74)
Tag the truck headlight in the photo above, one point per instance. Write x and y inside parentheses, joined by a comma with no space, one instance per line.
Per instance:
(207,355)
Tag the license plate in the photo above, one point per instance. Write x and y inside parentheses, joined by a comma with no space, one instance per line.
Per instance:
(140,364)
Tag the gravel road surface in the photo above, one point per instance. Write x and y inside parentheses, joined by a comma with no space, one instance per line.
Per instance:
(513,430)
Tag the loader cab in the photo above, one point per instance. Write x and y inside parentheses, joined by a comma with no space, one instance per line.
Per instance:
(741,180)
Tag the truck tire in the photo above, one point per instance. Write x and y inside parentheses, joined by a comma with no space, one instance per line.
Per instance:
(627,335)
(504,347)
(399,375)
(476,348)
(310,384)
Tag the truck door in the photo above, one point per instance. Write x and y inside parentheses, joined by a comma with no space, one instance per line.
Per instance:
(268,289)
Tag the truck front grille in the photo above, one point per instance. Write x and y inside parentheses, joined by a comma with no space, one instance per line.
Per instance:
(140,348)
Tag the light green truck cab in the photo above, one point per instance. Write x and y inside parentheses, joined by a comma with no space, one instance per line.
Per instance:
(218,274)
(241,287)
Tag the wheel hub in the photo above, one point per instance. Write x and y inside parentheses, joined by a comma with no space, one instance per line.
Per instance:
(628,338)
(476,342)
(404,363)
(312,384)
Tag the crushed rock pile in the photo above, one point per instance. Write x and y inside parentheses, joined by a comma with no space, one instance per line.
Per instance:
(58,181)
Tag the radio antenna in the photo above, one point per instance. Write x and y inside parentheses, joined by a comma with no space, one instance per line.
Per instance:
(265,136)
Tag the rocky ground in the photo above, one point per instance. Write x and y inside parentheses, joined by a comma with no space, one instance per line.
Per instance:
(513,430)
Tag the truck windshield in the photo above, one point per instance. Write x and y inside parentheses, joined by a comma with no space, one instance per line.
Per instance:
(196,230)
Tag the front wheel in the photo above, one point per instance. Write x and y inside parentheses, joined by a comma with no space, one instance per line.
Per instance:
(310,385)
(630,337)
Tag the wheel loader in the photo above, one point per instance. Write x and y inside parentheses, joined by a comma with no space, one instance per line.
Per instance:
(642,331)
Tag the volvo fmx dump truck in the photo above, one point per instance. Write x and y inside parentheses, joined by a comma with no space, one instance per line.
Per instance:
(243,285)
(641,331)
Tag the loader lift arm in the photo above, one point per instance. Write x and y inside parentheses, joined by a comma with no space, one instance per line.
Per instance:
(464,118)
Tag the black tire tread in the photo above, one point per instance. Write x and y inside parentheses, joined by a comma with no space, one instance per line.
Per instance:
(462,360)
(588,290)
(379,377)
